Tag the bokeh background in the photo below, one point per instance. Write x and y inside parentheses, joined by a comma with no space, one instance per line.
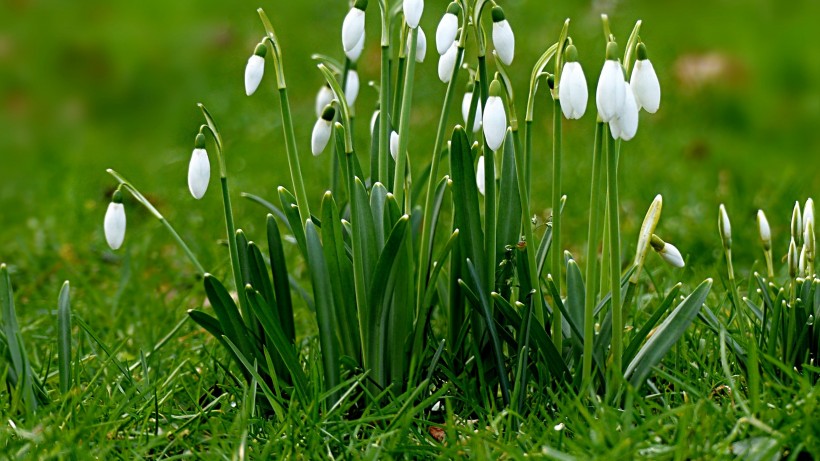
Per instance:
(87,85)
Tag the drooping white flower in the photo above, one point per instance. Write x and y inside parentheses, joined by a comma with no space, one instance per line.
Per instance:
(765,230)
(322,131)
(610,95)
(724,227)
(356,52)
(503,38)
(644,82)
(352,87)
(353,26)
(394,145)
(447,28)
(114,222)
(199,169)
(667,251)
(412,12)
(447,63)
(465,108)
(479,175)
(626,125)
(421,46)
(323,98)
(495,118)
(572,88)
(255,69)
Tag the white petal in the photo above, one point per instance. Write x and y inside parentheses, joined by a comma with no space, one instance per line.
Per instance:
(763,225)
(495,122)
(321,135)
(479,175)
(645,85)
(447,63)
(254,71)
(114,225)
(725,223)
(504,41)
(672,255)
(352,28)
(446,32)
(465,111)
(394,145)
(412,12)
(323,98)
(356,51)
(373,119)
(352,87)
(573,91)
(199,173)
(610,96)
(808,216)
(628,120)
(421,46)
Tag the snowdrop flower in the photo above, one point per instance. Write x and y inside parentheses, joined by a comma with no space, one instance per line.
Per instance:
(323,98)
(465,108)
(610,95)
(765,230)
(447,63)
(479,175)
(572,88)
(495,118)
(394,145)
(199,169)
(793,259)
(626,125)
(353,26)
(645,83)
(255,69)
(503,37)
(797,223)
(352,87)
(447,28)
(354,53)
(421,46)
(412,12)
(667,252)
(725,227)
(322,131)
(114,223)
(808,218)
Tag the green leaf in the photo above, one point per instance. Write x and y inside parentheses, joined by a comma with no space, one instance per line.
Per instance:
(14,339)
(251,369)
(378,196)
(465,199)
(226,311)
(647,327)
(281,283)
(575,296)
(666,335)
(291,210)
(64,337)
(259,277)
(508,229)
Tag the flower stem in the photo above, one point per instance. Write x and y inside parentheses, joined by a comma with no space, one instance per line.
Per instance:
(404,122)
(557,327)
(384,117)
(592,255)
(489,184)
(614,255)
(526,224)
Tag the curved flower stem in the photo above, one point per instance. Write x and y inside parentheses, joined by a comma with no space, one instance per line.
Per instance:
(592,255)
(150,207)
(557,327)
(614,255)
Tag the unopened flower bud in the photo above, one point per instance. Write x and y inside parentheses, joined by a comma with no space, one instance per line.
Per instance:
(394,145)
(572,90)
(199,168)
(495,118)
(352,87)
(114,222)
(356,52)
(323,99)
(797,224)
(322,130)
(353,25)
(503,37)
(625,125)
(610,95)
(725,228)
(466,103)
(255,69)
(412,12)
(479,175)
(667,251)
(447,28)
(793,259)
(644,82)
(765,230)
(447,63)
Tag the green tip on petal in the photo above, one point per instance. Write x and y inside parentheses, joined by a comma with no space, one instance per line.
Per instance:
(612,51)
(328,113)
(199,142)
(498,14)
(642,52)
(571,53)
(361,5)
(495,88)
(261,50)
(454,8)
(116,197)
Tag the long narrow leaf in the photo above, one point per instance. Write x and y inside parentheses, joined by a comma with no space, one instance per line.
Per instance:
(64,337)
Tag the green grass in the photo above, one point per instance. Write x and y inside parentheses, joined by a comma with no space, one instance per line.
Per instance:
(88,87)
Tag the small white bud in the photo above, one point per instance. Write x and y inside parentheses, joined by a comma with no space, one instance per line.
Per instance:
(671,255)
(503,38)
(254,71)
(808,219)
(793,259)
(352,28)
(645,85)
(352,87)
(626,124)
(114,224)
(465,111)
(421,46)
(447,63)
(725,227)
(573,91)
(199,173)
(446,32)
(412,12)
(394,145)
(495,122)
(354,53)
(797,223)
(323,99)
(765,230)
(610,96)
(321,135)
(479,175)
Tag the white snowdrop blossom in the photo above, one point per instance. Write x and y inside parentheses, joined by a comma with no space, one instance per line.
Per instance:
(352,87)
(626,125)
(353,26)
(323,99)
(572,89)
(199,168)
(394,145)
(808,218)
(765,230)
(671,255)
(465,109)
(495,118)
(447,63)
(114,222)
(503,38)
(724,227)
(322,131)
(412,12)
(644,82)
(447,28)
(610,95)
(255,69)
(421,46)
(356,52)
(479,175)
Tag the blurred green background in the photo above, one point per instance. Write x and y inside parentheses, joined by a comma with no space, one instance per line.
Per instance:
(87,85)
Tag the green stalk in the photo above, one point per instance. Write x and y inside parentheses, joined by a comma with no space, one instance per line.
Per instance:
(555,250)
(489,185)
(528,156)
(151,209)
(384,113)
(614,255)
(592,255)
(526,224)
(404,122)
